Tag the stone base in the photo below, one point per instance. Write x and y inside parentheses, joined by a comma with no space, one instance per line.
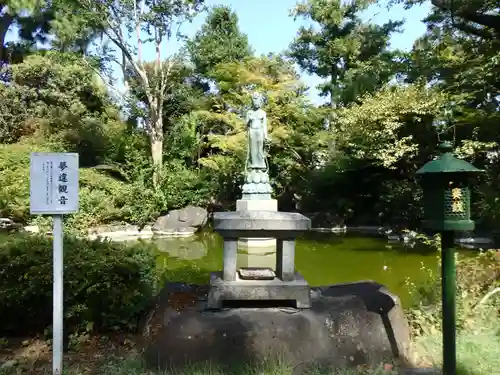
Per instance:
(350,325)
(258,290)
(256,205)
(249,244)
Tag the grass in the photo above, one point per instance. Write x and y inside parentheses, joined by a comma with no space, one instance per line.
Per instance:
(134,366)
(478,352)
(119,355)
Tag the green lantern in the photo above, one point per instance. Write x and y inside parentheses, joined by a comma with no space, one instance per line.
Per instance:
(445,182)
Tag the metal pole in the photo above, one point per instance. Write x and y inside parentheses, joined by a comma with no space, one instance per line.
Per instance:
(57,292)
(448,277)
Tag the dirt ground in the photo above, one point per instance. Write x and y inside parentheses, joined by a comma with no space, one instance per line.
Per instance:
(34,356)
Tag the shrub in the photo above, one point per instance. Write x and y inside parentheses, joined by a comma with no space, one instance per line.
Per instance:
(102,198)
(476,276)
(106,285)
(178,187)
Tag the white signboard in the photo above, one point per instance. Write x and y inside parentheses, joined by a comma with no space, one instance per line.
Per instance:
(53,183)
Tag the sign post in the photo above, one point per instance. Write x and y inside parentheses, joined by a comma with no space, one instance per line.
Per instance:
(54,191)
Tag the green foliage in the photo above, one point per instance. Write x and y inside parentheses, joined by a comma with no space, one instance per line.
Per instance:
(107,286)
(381,128)
(218,41)
(361,169)
(353,56)
(58,96)
(14,179)
(178,187)
(102,199)
(219,133)
(181,95)
(476,276)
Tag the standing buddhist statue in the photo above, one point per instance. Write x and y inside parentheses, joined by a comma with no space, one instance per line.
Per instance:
(257,179)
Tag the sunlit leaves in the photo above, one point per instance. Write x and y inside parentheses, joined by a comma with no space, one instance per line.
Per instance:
(373,130)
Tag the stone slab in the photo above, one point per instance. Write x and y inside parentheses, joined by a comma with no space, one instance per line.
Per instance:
(258,290)
(256,273)
(258,224)
(257,205)
(349,325)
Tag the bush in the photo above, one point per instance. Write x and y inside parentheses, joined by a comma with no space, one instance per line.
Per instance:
(106,285)
(178,187)
(476,276)
(102,198)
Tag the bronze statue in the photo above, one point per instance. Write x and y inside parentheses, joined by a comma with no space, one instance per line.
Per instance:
(256,168)
(256,122)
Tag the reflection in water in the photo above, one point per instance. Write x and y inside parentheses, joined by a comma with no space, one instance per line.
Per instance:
(322,260)
(184,248)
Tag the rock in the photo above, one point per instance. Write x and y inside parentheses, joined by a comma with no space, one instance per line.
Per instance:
(7,365)
(113,228)
(8,225)
(119,233)
(32,229)
(368,230)
(188,220)
(5,223)
(348,325)
(421,371)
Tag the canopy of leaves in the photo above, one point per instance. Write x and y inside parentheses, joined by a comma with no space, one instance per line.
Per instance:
(218,41)
(58,96)
(351,55)
(381,127)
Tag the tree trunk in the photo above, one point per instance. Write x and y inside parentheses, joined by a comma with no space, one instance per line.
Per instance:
(157,148)
(5,23)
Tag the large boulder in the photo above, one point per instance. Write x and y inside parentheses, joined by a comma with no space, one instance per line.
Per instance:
(187,220)
(348,325)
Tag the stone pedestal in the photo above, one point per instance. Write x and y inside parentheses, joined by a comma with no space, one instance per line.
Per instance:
(348,325)
(257,245)
(286,285)
(294,290)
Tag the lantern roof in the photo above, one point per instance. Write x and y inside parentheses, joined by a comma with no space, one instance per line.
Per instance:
(448,163)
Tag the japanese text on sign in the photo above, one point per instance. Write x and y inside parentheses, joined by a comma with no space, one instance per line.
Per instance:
(53,183)
(457,205)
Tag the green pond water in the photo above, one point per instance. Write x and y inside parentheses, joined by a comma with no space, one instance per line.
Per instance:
(322,259)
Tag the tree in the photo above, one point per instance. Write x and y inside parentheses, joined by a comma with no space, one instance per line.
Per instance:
(152,21)
(352,56)
(480,18)
(36,21)
(32,19)
(218,41)
(57,97)
(382,128)
(181,95)
(218,135)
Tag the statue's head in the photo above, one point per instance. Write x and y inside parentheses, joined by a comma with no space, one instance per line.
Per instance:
(257,100)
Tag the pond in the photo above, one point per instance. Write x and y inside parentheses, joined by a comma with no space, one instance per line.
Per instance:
(321,258)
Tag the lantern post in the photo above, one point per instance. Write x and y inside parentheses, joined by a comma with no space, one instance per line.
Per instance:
(446,195)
